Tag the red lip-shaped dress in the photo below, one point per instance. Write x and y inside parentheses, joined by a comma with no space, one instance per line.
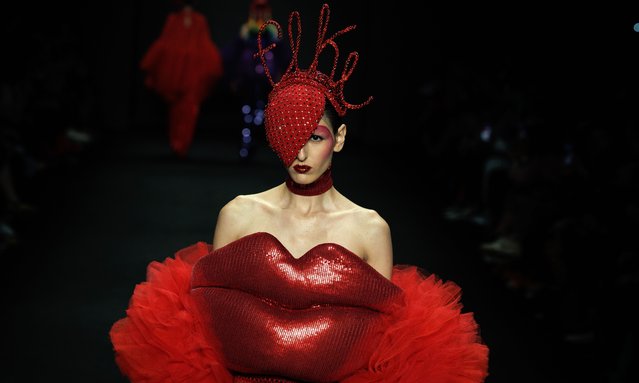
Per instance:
(251,312)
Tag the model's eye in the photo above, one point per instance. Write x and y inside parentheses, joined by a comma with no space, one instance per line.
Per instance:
(315,137)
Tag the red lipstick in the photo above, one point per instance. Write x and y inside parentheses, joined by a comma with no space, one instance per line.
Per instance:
(301,169)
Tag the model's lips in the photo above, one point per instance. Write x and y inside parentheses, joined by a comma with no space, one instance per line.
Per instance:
(301,168)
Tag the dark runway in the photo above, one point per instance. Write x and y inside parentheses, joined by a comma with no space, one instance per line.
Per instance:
(128,202)
(553,94)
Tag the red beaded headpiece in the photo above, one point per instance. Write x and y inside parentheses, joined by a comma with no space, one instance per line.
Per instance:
(296,103)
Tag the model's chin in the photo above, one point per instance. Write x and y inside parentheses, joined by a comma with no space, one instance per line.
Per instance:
(302,178)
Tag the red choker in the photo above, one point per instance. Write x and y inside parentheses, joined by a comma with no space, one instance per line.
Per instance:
(319,186)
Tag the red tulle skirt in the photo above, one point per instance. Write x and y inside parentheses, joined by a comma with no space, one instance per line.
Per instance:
(429,339)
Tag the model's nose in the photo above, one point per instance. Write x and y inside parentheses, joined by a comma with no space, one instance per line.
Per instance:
(301,155)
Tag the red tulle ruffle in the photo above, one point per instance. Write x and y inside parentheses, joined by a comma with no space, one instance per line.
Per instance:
(428,339)
(160,340)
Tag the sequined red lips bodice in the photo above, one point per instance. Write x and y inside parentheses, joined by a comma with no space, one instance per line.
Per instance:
(315,318)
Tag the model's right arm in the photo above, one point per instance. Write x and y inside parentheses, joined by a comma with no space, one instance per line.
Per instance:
(229,223)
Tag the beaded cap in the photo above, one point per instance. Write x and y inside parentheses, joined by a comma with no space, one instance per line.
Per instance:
(296,103)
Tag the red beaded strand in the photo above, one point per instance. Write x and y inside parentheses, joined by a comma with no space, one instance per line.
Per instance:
(297,101)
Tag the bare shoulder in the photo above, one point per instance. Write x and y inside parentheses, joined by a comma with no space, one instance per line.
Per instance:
(238,204)
(374,236)
(234,219)
(362,222)
(371,223)
(231,212)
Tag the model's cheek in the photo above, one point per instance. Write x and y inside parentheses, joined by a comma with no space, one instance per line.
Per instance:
(327,147)
(329,141)
(326,152)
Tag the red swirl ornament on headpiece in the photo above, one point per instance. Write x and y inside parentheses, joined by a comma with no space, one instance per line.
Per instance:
(296,103)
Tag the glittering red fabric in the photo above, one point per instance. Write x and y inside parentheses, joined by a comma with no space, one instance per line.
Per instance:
(286,312)
(260,379)
(170,334)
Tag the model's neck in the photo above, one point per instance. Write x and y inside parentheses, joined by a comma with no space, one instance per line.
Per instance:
(317,187)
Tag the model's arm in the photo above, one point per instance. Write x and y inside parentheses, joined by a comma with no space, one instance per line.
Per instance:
(379,246)
(229,223)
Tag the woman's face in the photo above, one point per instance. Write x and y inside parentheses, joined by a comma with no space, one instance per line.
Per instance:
(316,155)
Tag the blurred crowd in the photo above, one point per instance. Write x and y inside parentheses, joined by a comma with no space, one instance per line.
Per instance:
(46,107)
(553,198)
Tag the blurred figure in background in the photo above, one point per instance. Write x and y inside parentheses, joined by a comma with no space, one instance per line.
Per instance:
(183,65)
(245,77)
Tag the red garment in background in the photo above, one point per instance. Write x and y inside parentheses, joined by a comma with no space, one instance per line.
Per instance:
(183,65)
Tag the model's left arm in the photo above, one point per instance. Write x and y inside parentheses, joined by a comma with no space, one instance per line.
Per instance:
(378,244)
